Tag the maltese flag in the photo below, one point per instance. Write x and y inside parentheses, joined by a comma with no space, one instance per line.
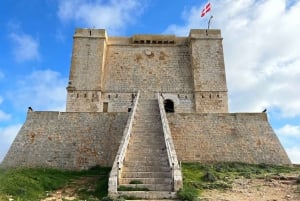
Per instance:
(206,9)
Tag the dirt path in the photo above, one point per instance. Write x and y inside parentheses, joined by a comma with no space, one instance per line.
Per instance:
(272,189)
(70,191)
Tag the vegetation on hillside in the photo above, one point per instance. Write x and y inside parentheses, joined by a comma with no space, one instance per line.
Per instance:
(198,177)
(34,184)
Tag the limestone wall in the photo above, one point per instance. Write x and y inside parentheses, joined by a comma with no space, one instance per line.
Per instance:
(67,140)
(208,71)
(148,68)
(241,137)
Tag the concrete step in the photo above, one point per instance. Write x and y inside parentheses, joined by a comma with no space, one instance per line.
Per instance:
(133,163)
(146,174)
(166,181)
(146,158)
(147,132)
(149,194)
(132,155)
(136,151)
(145,139)
(145,150)
(146,145)
(146,169)
(151,187)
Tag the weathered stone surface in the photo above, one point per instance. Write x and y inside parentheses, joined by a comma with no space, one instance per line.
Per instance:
(67,140)
(240,137)
(107,70)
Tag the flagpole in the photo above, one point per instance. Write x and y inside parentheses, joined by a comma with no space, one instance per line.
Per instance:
(208,24)
(209,21)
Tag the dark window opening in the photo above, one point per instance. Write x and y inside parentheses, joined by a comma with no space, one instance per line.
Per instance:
(105,107)
(129,109)
(169,106)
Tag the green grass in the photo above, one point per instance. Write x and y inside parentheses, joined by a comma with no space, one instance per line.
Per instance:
(135,182)
(198,177)
(32,184)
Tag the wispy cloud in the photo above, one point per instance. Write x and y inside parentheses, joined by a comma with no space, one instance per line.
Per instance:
(294,154)
(25,47)
(7,135)
(3,116)
(261,52)
(289,130)
(113,15)
(42,90)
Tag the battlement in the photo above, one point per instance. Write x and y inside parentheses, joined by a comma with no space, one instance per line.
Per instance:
(96,33)
(205,34)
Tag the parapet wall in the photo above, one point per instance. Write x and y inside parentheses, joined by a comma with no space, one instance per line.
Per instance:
(240,137)
(67,140)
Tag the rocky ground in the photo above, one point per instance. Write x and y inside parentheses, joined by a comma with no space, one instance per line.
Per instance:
(280,188)
(269,189)
(72,190)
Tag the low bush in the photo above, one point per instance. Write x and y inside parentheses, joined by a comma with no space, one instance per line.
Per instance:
(188,193)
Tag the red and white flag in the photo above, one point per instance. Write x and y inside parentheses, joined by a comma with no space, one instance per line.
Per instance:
(206,9)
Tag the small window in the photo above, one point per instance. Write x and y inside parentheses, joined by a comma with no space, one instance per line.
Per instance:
(105,107)
(169,106)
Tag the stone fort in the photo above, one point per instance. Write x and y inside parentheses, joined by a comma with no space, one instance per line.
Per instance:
(142,105)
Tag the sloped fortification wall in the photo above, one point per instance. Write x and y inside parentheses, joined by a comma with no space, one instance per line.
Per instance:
(237,137)
(67,140)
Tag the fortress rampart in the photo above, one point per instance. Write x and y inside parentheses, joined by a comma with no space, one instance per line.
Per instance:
(67,140)
(238,137)
(106,73)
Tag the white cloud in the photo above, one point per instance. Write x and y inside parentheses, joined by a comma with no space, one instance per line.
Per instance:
(25,47)
(261,47)
(42,90)
(113,15)
(289,130)
(7,135)
(3,116)
(294,154)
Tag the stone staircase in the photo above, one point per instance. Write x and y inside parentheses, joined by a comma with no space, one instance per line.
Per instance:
(146,172)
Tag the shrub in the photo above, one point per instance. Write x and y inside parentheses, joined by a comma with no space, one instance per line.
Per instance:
(209,177)
(188,193)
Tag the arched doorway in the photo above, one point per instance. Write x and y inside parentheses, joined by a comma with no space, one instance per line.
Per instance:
(169,105)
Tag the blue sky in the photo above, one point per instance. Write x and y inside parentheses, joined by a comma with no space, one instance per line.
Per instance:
(261,47)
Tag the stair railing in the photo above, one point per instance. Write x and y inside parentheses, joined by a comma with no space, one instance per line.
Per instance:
(173,162)
(116,171)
